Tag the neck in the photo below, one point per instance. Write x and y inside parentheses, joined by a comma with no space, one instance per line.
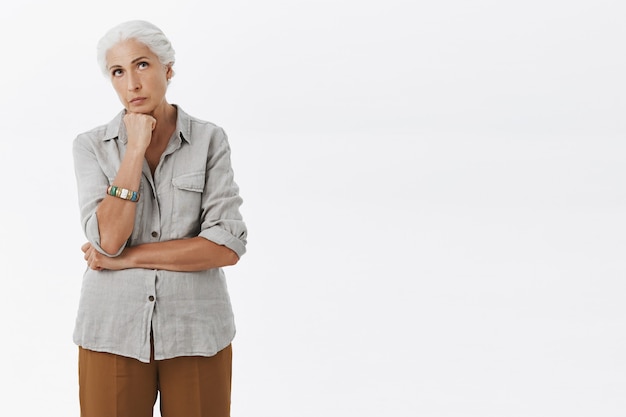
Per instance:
(165,116)
(164,113)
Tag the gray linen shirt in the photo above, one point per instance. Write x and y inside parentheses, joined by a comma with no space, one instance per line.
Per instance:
(192,193)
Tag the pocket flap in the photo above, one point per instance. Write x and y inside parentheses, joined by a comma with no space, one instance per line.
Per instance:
(190,182)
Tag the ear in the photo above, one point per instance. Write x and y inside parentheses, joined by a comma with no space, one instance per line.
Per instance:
(169,72)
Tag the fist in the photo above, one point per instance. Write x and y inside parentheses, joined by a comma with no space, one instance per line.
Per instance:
(139,127)
(98,262)
(92,256)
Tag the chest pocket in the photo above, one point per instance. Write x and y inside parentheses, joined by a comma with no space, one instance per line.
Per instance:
(187,202)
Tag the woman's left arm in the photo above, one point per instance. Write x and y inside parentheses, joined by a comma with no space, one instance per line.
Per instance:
(183,255)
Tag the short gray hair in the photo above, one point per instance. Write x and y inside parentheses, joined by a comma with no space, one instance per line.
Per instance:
(142,31)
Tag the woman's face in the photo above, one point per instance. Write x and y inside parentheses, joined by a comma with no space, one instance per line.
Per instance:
(138,76)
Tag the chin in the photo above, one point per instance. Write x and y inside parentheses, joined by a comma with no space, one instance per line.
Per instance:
(140,109)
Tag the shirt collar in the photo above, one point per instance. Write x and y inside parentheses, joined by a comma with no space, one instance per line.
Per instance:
(116,129)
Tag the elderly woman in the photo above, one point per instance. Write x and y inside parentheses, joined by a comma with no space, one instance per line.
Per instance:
(160,210)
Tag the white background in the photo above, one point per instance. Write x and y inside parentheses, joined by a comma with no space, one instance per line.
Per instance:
(434,193)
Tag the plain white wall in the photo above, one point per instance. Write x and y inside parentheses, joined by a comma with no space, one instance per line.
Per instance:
(434,193)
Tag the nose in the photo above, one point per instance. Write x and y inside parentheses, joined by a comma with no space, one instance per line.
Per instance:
(133,82)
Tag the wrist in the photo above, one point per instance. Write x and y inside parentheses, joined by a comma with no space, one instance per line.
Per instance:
(129,258)
(135,150)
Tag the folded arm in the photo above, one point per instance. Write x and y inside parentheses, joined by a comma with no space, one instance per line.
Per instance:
(183,255)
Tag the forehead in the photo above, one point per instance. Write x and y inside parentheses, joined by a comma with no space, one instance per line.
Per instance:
(124,52)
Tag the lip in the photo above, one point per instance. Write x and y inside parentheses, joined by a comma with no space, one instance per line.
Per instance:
(137,100)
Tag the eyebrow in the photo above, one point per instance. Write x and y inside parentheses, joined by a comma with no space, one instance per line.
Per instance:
(131,62)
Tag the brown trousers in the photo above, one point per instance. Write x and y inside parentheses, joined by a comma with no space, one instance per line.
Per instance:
(190,386)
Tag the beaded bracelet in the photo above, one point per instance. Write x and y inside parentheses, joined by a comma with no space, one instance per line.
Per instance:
(123,193)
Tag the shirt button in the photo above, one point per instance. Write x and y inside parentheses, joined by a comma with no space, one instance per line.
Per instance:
(154,234)
(151,298)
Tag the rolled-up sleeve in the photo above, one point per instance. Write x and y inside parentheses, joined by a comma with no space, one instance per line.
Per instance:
(92,183)
(221,220)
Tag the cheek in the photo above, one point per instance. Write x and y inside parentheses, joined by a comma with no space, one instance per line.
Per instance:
(160,84)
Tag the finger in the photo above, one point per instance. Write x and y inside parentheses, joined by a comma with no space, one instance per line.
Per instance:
(85,246)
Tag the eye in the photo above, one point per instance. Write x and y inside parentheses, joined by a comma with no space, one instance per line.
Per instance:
(142,65)
(116,72)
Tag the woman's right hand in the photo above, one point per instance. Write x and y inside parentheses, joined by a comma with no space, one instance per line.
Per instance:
(139,127)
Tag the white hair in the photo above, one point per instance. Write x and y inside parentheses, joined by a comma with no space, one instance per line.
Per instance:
(142,31)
